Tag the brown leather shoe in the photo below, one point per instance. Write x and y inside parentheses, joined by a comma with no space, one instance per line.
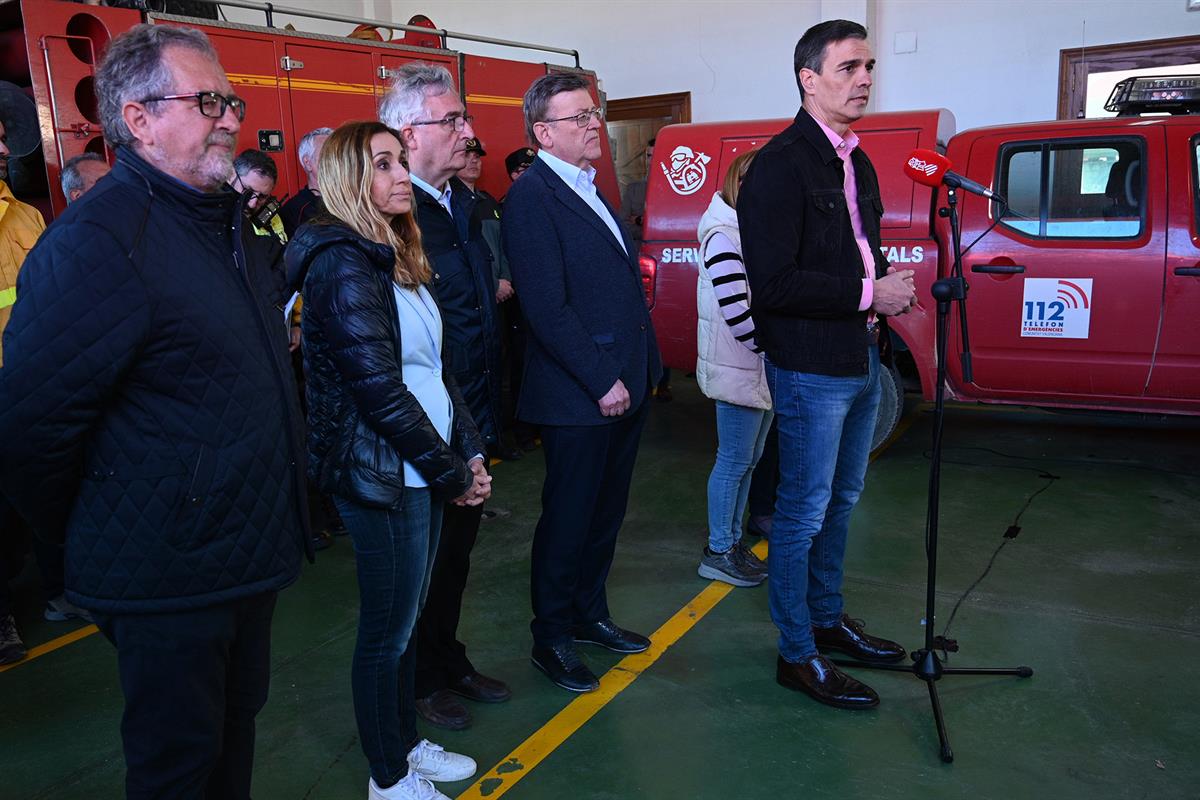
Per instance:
(818,678)
(481,688)
(849,637)
(442,710)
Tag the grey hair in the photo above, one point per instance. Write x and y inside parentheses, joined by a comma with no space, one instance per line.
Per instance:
(255,161)
(415,81)
(71,179)
(308,145)
(133,69)
(810,50)
(539,93)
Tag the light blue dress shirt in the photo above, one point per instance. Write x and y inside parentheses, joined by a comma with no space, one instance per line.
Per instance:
(583,183)
(421,356)
(442,197)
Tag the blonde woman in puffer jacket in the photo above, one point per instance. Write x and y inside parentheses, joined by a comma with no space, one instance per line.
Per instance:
(729,369)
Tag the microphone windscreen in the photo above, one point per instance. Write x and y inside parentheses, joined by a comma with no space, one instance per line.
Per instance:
(926,167)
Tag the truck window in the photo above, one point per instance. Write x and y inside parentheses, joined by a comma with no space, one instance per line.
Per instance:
(1073,190)
(1196,180)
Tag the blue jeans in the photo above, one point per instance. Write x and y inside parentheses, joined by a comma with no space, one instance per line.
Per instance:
(394,549)
(825,429)
(741,433)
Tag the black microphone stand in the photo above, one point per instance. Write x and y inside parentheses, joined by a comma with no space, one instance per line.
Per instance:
(926,664)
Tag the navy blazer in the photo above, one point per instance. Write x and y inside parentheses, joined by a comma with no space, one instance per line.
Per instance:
(582,298)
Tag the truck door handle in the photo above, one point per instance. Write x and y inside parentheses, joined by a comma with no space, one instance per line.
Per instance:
(1191,272)
(998,269)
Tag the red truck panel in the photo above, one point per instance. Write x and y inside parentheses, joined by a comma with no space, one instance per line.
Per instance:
(340,80)
(690,165)
(494,90)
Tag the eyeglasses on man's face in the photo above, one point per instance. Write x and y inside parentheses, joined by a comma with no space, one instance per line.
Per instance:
(456,121)
(582,118)
(211,104)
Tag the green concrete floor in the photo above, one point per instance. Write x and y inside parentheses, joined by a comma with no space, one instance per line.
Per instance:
(1098,593)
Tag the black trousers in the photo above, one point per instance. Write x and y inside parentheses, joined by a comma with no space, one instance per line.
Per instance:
(15,538)
(588,473)
(193,683)
(765,479)
(441,657)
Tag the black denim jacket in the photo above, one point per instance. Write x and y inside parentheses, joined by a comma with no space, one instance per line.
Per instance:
(803,264)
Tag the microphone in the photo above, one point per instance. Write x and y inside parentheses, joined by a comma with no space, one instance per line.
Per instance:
(933,169)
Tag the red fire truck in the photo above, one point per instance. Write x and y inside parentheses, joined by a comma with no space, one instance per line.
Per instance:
(292,82)
(1084,291)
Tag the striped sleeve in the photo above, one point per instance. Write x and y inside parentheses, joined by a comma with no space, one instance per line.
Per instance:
(728,275)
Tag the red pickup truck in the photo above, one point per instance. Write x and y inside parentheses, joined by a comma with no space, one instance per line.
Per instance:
(1084,294)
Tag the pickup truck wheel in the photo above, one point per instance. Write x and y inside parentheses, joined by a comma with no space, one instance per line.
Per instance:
(891,406)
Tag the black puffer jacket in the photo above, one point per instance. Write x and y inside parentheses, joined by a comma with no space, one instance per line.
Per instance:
(363,421)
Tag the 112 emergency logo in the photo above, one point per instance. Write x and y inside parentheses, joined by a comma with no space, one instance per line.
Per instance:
(1057,308)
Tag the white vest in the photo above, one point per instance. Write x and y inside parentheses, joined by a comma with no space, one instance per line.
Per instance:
(725,368)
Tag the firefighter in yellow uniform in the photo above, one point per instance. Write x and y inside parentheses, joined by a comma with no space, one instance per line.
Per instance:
(20,227)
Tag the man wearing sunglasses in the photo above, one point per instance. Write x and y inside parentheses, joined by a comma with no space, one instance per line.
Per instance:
(590,361)
(150,418)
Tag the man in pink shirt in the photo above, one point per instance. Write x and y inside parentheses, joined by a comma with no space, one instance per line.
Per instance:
(809,213)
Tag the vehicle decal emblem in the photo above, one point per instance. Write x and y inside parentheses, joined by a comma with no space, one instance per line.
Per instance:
(688,170)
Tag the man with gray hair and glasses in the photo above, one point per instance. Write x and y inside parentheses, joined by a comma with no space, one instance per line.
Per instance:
(306,203)
(590,361)
(150,419)
(424,107)
(80,174)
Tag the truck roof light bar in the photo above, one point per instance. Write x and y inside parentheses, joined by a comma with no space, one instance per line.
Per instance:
(1176,94)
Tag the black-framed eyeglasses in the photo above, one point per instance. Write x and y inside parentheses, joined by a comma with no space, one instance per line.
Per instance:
(210,104)
(456,121)
(582,118)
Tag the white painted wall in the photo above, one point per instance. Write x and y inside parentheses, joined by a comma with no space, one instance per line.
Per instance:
(996,61)
(348,8)
(735,58)
(988,61)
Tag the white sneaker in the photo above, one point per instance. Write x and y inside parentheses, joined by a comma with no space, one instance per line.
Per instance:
(60,609)
(431,761)
(411,787)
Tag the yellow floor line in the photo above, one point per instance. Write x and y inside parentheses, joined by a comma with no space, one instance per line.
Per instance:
(530,752)
(52,645)
(517,764)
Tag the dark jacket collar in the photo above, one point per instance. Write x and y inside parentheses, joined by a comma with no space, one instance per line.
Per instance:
(324,231)
(808,127)
(567,196)
(218,206)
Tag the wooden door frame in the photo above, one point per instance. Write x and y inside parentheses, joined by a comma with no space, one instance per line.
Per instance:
(677,106)
(1075,64)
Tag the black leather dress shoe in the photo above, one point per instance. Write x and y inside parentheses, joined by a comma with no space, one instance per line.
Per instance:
(562,665)
(606,634)
(442,710)
(848,637)
(818,678)
(481,688)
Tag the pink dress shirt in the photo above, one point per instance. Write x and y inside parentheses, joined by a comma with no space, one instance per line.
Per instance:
(844,147)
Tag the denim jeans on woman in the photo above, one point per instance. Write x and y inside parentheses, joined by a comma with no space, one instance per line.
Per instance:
(394,549)
(741,432)
(825,429)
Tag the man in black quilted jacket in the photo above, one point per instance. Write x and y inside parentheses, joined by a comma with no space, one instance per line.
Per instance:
(150,419)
